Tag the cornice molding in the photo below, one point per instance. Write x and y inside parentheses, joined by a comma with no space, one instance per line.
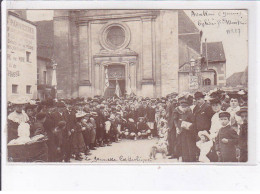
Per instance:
(145,15)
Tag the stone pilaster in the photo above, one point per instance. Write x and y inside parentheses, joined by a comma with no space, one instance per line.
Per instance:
(147,49)
(147,56)
(62,52)
(84,55)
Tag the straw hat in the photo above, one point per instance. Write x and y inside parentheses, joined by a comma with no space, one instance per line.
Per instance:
(242,109)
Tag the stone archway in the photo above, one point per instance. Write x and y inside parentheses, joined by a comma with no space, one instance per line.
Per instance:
(130,65)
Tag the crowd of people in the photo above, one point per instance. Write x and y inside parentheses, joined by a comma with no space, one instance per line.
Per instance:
(188,127)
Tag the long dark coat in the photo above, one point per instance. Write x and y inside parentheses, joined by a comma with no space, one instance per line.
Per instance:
(227,150)
(150,114)
(172,129)
(242,142)
(202,117)
(186,140)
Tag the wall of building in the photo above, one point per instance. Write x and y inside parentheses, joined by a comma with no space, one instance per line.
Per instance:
(220,68)
(186,53)
(183,82)
(21,38)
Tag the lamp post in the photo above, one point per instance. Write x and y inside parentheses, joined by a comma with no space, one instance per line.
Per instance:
(194,74)
(192,64)
(54,79)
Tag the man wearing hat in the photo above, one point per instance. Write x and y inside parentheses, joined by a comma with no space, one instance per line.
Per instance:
(185,143)
(30,111)
(142,110)
(202,113)
(172,129)
(59,114)
(243,135)
(226,140)
(38,128)
(16,117)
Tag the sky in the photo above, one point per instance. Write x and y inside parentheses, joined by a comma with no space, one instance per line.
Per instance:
(228,26)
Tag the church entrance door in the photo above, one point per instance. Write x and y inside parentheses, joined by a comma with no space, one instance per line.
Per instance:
(115,75)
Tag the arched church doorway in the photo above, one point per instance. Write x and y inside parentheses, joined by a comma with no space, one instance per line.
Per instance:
(114,75)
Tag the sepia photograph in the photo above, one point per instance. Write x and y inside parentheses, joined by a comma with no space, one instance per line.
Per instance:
(127,86)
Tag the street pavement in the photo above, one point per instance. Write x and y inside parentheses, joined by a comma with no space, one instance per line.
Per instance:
(125,151)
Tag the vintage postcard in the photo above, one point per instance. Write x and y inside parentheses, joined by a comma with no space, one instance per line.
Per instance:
(127,86)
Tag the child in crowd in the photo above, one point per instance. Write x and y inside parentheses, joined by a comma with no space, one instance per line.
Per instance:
(226,140)
(143,129)
(87,127)
(204,144)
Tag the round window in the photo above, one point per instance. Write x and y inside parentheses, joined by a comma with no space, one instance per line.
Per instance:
(115,36)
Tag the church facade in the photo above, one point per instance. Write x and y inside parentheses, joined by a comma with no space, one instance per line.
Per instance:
(137,49)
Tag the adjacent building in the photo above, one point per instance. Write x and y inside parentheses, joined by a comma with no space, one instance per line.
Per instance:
(21,57)
(45,62)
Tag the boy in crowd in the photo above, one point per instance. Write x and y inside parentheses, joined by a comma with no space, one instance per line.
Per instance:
(226,140)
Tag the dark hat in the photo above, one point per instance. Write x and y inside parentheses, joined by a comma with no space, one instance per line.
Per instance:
(40,116)
(215,101)
(199,95)
(60,104)
(233,95)
(174,94)
(89,99)
(30,106)
(49,102)
(224,114)
(242,109)
(215,95)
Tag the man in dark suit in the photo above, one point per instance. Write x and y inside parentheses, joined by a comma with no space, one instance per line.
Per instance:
(61,114)
(172,129)
(202,113)
(142,110)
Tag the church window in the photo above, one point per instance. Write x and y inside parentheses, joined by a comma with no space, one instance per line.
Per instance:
(115,36)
